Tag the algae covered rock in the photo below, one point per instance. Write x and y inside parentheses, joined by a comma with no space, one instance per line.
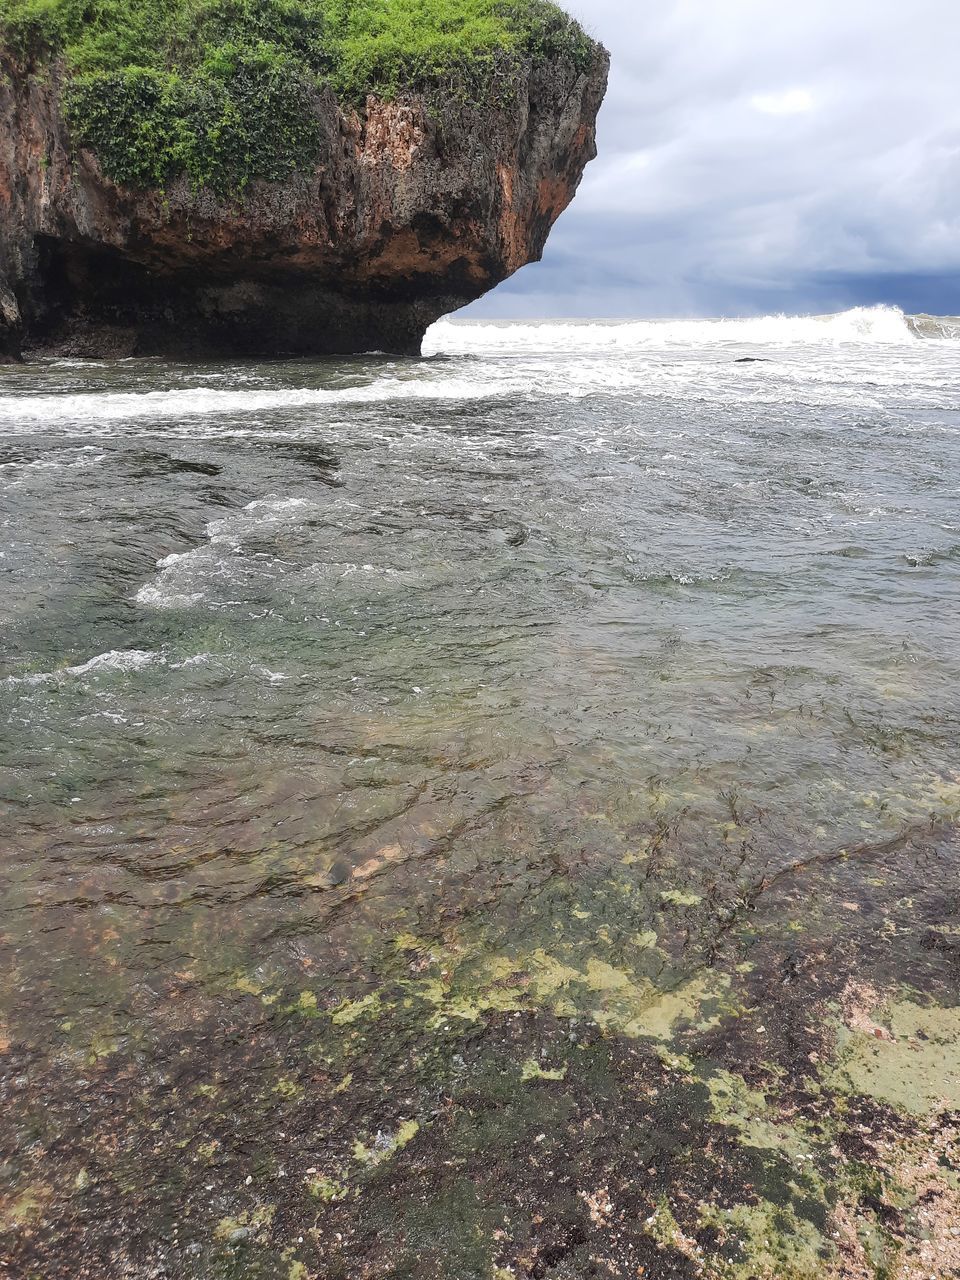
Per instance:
(293,176)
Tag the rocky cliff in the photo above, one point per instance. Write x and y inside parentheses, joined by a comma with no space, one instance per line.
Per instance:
(412,210)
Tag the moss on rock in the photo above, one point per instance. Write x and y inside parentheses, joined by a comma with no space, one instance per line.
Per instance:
(225,90)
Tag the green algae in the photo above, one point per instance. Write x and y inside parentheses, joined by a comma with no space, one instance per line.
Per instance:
(613,997)
(252,1224)
(351,1011)
(701,1002)
(26,1208)
(387,1145)
(881,1252)
(532,1070)
(662,1227)
(914,1064)
(678,898)
(747,1110)
(773,1243)
(247,985)
(410,942)
(103,1045)
(329,1190)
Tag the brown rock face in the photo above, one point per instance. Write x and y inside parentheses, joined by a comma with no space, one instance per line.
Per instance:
(410,214)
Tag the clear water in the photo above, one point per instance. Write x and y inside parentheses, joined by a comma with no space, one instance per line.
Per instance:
(301,658)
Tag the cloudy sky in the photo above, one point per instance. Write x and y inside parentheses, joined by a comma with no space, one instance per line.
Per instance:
(760,156)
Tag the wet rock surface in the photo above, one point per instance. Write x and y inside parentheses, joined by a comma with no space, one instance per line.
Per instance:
(776,1111)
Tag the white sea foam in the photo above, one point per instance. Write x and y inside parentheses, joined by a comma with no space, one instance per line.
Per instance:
(117,660)
(90,458)
(159,596)
(114,660)
(274,677)
(185,576)
(96,407)
(865,325)
(124,661)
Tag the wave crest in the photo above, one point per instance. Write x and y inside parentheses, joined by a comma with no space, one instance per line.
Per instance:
(864,325)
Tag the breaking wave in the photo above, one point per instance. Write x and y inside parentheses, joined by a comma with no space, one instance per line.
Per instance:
(493,361)
(945,328)
(871,326)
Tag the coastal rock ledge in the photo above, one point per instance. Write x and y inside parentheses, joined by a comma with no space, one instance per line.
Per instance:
(411,211)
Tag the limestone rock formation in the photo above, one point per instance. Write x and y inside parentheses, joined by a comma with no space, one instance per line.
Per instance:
(411,212)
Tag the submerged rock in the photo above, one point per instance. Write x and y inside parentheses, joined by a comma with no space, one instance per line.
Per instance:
(415,207)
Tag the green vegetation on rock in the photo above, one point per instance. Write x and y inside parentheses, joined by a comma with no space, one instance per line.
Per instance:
(226,90)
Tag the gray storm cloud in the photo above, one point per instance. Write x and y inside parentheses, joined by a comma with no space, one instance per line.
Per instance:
(760,156)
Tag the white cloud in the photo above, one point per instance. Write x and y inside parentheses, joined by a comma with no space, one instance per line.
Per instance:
(791,102)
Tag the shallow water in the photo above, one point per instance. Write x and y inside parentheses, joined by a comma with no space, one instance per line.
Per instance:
(545,655)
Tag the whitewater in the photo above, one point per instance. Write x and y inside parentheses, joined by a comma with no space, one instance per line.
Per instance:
(867,348)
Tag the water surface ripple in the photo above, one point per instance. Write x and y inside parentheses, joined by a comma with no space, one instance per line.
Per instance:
(561,637)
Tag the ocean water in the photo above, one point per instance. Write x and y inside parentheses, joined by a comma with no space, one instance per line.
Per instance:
(356,688)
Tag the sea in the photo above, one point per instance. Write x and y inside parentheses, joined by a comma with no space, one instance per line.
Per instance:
(354,707)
